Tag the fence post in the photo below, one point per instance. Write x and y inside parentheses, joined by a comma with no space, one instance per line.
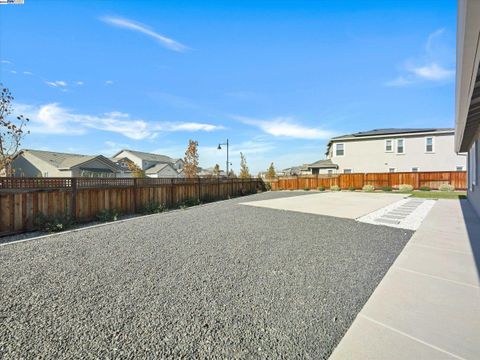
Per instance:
(199,189)
(73,203)
(171,192)
(135,187)
(218,187)
(298,185)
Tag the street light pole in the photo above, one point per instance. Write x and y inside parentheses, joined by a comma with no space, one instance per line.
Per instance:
(220,148)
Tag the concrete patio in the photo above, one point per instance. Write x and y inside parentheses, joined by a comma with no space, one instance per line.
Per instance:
(428,304)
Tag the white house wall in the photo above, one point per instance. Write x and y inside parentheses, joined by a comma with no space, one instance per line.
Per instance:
(27,165)
(369,155)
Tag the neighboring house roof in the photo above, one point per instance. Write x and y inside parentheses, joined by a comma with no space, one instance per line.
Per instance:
(149,156)
(323,164)
(65,161)
(157,168)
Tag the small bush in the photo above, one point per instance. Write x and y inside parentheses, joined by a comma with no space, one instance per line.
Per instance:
(405,188)
(424,188)
(306,189)
(351,188)
(189,202)
(387,188)
(53,223)
(335,188)
(321,188)
(368,188)
(446,187)
(268,186)
(153,208)
(107,215)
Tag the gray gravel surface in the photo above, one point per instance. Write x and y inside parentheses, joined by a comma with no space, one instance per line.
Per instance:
(217,281)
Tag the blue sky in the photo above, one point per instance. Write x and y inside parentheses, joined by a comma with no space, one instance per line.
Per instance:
(278,78)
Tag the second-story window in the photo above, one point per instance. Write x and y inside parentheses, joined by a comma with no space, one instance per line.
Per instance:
(339,149)
(400,146)
(388,145)
(429,144)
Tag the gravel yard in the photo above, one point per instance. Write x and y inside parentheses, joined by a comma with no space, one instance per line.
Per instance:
(218,281)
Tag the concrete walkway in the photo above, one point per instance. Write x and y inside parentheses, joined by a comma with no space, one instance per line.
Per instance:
(428,304)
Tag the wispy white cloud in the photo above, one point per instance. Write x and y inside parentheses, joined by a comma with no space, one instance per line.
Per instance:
(141,28)
(5,61)
(108,82)
(79,83)
(57,83)
(27,73)
(55,119)
(286,127)
(13,71)
(434,65)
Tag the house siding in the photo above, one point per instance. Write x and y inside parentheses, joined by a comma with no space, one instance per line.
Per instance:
(369,155)
(474,190)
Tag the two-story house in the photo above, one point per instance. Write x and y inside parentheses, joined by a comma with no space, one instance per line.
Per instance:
(391,150)
(154,165)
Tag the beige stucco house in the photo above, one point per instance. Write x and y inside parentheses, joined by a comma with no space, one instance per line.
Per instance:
(392,150)
(467,129)
(37,163)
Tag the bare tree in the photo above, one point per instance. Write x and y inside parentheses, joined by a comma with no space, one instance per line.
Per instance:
(244,171)
(216,170)
(11,131)
(190,160)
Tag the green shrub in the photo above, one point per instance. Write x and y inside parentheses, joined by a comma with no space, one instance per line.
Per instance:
(268,186)
(189,202)
(446,187)
(351,188)
(405,188)
(335,188)
(424,188)
(368,188)
(107,215)
(53,223)
(321,188)
(387,188)
(153,208)
(306,189)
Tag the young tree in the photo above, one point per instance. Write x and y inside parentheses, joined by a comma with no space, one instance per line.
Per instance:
(244,172)
(231,174)
(11,131)
(136,171)
(190,160)
(216,170)
(271,172)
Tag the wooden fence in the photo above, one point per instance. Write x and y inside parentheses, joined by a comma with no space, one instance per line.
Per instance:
(345,181)
(22,200)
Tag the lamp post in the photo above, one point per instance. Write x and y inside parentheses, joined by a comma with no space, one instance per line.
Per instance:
(220,148)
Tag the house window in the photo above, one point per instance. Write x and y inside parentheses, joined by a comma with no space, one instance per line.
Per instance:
(400,146)
(339,149)
(391,170)
(330,172)
(415,169)
(347,171)
(45,174)
(388,145)
(459,168)
(429,144)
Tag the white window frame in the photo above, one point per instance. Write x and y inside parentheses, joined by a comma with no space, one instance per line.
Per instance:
(392,144)
(459,167)
(390,170)
(396,147)
(330,172)
(433,145)
(336,150)
(417,169)
(348,171)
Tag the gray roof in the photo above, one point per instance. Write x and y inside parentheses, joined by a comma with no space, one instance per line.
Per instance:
(158,167)
(62,160)
(392,131)
(323,164)
(149,156)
